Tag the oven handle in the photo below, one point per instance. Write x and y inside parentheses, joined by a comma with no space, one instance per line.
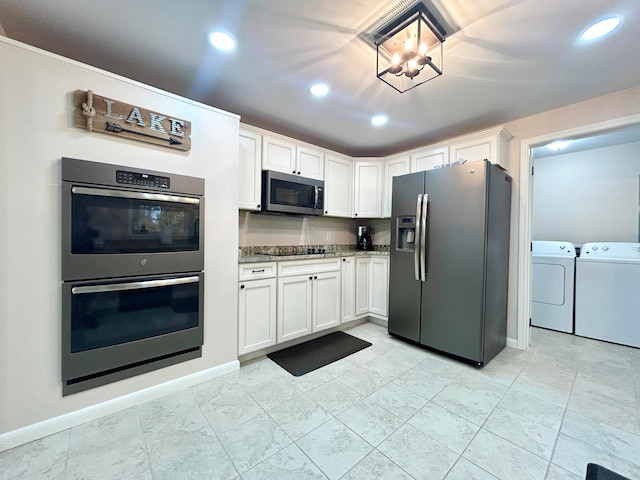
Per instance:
(117,287)
(106,192)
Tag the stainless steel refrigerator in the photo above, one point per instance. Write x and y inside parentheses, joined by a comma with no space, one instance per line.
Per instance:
(449,259)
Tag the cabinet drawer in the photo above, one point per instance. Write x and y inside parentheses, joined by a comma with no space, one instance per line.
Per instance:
(299,267)
(252,271)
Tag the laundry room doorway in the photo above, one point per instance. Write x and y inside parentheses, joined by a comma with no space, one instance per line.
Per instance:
(530,149)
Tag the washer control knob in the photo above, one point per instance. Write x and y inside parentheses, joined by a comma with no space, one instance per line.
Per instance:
(562,247)
(595,248)
(605,248)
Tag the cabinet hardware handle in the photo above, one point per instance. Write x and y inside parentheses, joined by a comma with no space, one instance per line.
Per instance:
(293,171)
(344,259)
(258,271)
(356,215)
(315,278)
(310,278)
(259,206)
(298,173)
(326,211)
(241,286)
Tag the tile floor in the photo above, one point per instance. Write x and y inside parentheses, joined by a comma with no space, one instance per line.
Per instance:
(391,411)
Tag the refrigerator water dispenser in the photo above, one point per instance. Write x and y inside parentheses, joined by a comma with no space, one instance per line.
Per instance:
(406,234)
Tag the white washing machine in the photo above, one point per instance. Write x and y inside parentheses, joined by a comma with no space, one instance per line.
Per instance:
(552,285)
(608,292)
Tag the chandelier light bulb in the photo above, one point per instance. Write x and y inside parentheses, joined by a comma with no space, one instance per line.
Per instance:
(408,45)
(395,68)
(422,49)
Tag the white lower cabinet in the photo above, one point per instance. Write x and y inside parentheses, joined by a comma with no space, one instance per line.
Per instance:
(308,297)
(348,284)
(362,285)
(379,286)
(281,301)
(256,307)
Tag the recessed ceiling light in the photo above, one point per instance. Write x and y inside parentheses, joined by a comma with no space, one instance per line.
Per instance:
(319,89)
(222,40)
(600,28)
(559,144)
(379,120)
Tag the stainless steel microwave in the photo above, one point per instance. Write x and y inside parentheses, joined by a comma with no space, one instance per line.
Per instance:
(291,194)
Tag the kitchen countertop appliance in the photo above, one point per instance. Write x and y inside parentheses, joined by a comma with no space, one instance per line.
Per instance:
(449,259)
(364,238)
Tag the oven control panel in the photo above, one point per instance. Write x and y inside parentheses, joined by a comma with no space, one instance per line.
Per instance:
(142,179)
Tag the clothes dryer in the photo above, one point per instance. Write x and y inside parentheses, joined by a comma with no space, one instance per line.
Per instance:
(608,292)
(552,285)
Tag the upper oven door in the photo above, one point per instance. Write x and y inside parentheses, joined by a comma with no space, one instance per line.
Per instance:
(114,232)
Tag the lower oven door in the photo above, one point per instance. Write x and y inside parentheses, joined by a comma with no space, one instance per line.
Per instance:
(130,324)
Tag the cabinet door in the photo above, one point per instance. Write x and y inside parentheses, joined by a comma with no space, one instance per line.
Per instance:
(362,286)
(326,300)
(476,149)
(379,286)
(294,307)
(429,159)
(310,163)
(368,189)
(338,186)
(278,155)
(348,289)
(256,315)
(392,168)
(249,170)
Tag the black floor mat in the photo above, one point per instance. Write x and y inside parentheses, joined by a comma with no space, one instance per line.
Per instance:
(309,356)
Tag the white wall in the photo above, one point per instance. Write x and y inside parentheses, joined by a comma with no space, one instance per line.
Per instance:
(36,130)
(587,196)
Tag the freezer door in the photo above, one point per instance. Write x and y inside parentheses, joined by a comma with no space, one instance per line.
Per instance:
(404,288)
(452,295)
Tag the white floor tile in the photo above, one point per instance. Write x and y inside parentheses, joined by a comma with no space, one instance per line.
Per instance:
(334,448)
(503,459)
(420,455)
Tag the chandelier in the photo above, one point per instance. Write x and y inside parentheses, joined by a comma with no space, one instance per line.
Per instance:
(409,49)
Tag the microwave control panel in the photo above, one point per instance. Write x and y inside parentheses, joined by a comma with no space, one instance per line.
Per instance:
(142,179)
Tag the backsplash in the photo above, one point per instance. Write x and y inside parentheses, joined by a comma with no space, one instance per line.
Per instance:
(301,249)
(276,230)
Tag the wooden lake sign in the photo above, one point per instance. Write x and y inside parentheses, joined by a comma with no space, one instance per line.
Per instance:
(101,114)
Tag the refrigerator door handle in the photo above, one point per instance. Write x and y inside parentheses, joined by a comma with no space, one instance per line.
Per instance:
(423,240)
(416,249)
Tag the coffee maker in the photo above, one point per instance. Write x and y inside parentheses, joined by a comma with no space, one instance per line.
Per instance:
(364,238)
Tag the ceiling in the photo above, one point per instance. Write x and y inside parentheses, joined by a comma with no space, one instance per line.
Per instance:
(506,59)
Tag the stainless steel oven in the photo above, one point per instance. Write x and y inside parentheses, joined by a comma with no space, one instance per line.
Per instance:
(121,221)
(132,272)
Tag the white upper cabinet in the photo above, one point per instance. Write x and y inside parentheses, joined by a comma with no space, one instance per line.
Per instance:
(429,158)
(310,162)
(393,167)
(490,144)
(338,186)
(368,189)
(249,170)
(279,155)
(285,156)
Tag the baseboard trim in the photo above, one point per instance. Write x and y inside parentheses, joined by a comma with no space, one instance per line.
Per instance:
(60,423)
(512,342)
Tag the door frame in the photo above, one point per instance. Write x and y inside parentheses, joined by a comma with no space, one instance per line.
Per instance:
(526,195)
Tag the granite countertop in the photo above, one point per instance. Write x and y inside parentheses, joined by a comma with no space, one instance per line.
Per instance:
(278,254)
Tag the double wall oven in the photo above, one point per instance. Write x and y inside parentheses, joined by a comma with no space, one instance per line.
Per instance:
(132,271)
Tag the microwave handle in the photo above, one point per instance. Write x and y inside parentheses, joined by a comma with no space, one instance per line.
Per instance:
(119,287)
(315,197)
(106,192)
